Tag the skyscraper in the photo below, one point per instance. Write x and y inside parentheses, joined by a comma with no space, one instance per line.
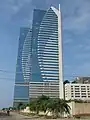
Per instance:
(23,67)
(47,52)
(40,52)
(38,16)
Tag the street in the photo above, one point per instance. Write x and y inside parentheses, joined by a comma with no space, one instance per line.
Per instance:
(13,116)
(16,116)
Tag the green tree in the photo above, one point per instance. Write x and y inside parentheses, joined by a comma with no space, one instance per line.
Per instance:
(39,104)
(43,100)
(66,81)
(21,106)
(43,103)
(74,81)
(58,107)
(34,106)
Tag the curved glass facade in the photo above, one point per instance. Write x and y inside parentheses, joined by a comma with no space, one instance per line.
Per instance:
(39,53)
(19,78)
(23,67)
(48,46)
(37,19)
(45,61)
(26,57)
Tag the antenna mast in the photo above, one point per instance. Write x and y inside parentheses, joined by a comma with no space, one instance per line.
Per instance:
(59,8)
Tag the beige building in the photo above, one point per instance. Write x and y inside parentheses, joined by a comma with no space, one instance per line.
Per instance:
(47,88)
(77,91)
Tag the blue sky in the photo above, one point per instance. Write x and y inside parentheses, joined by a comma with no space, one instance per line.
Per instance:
(75,34)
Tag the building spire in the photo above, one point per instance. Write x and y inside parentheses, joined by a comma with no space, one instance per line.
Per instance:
(59,7)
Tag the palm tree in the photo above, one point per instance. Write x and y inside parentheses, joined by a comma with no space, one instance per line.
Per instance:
(43,100)
(39,104)
(43,103)
(52,107)
(64,106)
(19,105)
(58,107)
(33,105)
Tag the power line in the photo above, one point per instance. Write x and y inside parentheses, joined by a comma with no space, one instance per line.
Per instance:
(2,78)
(13,72)
(65,75)
(9,79)
(1,70)
(6,71)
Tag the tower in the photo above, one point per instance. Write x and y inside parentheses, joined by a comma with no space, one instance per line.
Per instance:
(23,67)
(48,52)
(39,53)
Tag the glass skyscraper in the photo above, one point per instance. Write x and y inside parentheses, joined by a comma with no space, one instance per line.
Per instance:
(38,16)
(23,67)
(40,53)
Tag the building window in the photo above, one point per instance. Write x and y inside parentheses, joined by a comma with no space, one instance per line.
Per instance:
(83,89)
(83,96)
(83,93)
(83,86)
(77,91)
(77,96)
(76,88)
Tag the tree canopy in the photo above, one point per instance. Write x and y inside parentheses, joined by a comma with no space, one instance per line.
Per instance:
(56,106)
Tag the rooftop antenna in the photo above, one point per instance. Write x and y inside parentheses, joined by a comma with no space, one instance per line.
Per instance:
(59,7)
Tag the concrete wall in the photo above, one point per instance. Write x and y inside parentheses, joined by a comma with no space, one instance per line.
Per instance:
(82,108)
(79,108)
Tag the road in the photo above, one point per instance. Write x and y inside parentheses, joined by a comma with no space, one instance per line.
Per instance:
(14,116)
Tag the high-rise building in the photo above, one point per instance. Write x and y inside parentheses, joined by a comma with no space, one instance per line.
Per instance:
(47,47)
(47,88)
(41,51)
(77,91)
(38,16)
(23,67)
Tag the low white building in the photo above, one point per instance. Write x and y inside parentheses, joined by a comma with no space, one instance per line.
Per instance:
(77,91)
(47,88)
